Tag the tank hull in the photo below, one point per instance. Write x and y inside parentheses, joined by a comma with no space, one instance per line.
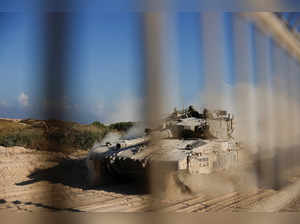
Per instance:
(195,145)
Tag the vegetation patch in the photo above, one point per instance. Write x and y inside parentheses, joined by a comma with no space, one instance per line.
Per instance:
(55,134)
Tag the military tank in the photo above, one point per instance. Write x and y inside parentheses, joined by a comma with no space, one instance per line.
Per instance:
(187,140)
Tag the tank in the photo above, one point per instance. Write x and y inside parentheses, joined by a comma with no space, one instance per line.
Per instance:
(186,140)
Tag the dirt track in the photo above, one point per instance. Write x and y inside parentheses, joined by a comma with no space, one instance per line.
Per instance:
(44,181)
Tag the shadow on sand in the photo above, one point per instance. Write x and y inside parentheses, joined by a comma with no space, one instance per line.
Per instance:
(74,173)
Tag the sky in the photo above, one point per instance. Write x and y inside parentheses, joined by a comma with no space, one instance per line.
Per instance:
(104,71)
(104,64)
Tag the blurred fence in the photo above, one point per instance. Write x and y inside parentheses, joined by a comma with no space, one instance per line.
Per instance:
(250,67)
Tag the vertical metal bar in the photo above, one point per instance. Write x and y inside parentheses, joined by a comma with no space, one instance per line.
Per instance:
(55,39)
(153,65)
(244,96)
(214,56)
(265,99)
(153,83)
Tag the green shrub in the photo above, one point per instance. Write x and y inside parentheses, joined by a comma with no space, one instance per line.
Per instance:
(98,124)
(122,126)
(58,132)
(20,139)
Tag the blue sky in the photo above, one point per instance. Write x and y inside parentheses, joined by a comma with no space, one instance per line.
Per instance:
(105,62)
(105,66)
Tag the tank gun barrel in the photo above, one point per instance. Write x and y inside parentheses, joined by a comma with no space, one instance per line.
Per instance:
(143,140)
(131,143)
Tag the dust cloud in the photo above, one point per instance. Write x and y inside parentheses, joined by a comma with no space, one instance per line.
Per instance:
(263,117)
(137,130)
(266,118)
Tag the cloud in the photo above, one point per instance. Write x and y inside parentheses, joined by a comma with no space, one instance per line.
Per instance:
(23,99)
(126,108)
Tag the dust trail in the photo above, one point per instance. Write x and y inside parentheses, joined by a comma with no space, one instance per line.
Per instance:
(137,130)
(109,137)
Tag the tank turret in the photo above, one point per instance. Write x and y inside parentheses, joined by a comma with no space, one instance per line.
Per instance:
(206,125)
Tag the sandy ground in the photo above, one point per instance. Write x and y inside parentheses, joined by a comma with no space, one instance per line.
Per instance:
(36,181)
